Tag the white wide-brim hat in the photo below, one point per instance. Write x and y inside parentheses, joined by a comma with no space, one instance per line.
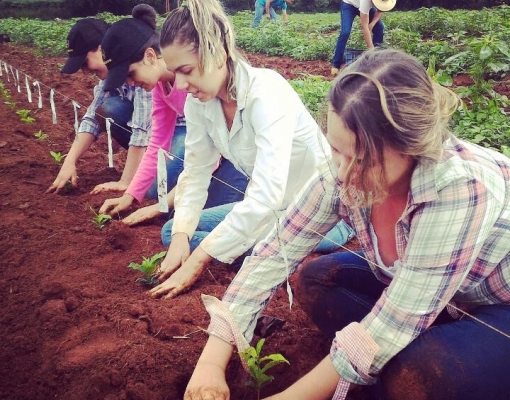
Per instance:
(384,5)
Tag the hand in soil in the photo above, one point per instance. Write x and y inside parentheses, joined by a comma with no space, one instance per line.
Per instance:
(142,214)
(110,186)
(207,382)
(184,277)
(67,174)
(116,205)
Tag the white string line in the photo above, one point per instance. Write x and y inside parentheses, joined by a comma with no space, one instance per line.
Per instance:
(319,234)
(66,97)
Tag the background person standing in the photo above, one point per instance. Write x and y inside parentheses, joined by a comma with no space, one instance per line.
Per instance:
(370,13)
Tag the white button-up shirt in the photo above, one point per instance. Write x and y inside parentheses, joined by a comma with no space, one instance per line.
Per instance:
(274,141)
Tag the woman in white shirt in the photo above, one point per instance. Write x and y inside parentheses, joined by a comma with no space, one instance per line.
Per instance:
(250,116)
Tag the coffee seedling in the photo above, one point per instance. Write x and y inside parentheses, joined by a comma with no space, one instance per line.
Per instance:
(40,135)
(147,268)
(100,219)
(258,365)
(24,116)
(57,156)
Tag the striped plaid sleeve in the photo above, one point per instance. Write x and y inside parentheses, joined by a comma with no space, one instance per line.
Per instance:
(298,231)
(89,122)
(141,119)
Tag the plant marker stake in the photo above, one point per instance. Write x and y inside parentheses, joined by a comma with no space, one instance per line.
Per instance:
(29,92)
(75,107)
(162,180)
(1,73)
(12,72)
(52,104)
(7,72)
(109,135)
(17,81)
(39,103)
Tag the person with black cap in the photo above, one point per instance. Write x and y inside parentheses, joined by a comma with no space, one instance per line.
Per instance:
(132,53)
(128,106)
(370,13)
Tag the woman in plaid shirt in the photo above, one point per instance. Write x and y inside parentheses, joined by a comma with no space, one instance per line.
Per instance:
(423,310)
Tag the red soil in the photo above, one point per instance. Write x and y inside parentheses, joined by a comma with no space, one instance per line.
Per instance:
(74,323)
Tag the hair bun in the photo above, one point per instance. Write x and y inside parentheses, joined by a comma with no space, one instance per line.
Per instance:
(145,13)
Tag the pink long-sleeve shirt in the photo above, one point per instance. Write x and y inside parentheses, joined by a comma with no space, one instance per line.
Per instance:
(167,106)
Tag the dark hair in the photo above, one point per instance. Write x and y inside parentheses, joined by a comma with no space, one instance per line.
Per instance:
(386,98)
(147,14)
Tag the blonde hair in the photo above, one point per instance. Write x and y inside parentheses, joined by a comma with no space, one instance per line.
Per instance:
(386,98)
(205,25)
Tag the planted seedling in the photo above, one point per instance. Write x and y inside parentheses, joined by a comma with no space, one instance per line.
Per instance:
(258,365)
(100,219)
(40,135)
(148,267)
(57,156)
(24,116)
(11,104)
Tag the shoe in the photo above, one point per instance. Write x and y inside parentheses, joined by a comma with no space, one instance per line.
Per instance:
(334,71)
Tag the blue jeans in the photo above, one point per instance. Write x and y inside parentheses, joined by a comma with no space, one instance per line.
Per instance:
(259,13)
(211,217)
(347,14)
(219,195)
(453,359)
(173,167)
(120,110)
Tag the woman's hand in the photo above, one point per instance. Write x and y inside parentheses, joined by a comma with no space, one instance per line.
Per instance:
(66,174)
(119,186)
(186,275)
(177,254)
(113,206)
(207,383)
(142,214)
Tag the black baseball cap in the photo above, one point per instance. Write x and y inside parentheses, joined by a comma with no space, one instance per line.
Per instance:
(85,35)
(123,40)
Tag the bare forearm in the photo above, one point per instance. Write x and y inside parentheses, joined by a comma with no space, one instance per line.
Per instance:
(216,351)
(170,198)
(134,157)
(81,144)
(319,384)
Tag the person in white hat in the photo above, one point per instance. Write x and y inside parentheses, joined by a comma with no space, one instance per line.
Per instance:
(370,13)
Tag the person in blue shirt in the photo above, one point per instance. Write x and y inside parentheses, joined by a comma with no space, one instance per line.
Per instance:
(267,7)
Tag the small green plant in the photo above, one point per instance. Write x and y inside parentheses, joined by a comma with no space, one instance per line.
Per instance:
(260,365)
(148,266)
(40,135)
(57,156)
(11,104)
(24,116)
(100,219)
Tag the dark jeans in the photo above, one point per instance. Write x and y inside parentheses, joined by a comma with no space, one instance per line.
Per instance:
(452,360)
(174,166)
(120,110)
(347,14)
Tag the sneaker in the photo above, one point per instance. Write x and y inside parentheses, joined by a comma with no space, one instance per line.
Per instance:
(334,71)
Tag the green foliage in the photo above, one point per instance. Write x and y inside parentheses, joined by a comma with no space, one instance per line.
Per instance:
(447,42)
(259,365)
(40,135)
(57,156)
(24,116)
(313,90)
(148,266)
(100,219)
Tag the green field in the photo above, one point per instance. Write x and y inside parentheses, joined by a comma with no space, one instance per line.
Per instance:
(448,43)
